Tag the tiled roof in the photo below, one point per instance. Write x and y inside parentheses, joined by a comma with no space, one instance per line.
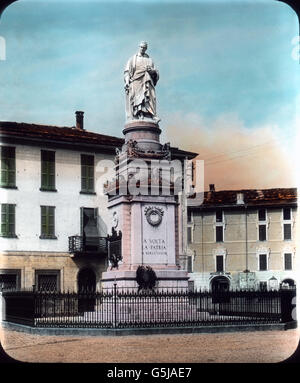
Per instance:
(251,197)
(55,133)
(71,135)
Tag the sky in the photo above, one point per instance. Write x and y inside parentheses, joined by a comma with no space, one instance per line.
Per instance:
(228,88)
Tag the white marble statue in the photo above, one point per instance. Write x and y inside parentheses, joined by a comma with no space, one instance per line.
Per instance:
(140,78)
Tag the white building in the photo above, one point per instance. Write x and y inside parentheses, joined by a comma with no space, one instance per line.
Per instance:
(243,239)
(54,216)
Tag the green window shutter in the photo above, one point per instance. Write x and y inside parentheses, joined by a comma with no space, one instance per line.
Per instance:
(91,178)
(87,173)
(51,221)
(47,170)
(4,230)
(81,221)
(8,220)
(84,177)
(8,166)
(47,222)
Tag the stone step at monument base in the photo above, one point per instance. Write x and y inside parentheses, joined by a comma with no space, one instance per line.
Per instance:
(146,310)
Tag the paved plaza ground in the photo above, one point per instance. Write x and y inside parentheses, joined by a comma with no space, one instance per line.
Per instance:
(238,347)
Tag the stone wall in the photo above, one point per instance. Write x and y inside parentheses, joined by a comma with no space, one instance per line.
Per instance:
(29,262)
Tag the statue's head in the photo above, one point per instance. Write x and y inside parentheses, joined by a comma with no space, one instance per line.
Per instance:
(143,47)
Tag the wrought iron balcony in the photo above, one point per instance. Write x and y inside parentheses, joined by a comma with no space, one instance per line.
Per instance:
(88,245)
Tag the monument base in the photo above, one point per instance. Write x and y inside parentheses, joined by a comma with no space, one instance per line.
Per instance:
(126,279)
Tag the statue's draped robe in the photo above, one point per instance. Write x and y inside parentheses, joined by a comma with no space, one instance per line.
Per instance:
(141,96)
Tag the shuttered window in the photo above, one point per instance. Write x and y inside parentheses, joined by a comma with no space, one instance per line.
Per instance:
(8,220)
(87,173)
(286,214)
(220,263)
(219,233)
(262,214)
(287,231)
(262,262)
(219,216)
(47,222)
(287,261)
(48,170)
(189,234)
(8,167)
(262,232)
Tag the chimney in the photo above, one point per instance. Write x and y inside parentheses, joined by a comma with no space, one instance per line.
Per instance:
(79,120)
(211,187)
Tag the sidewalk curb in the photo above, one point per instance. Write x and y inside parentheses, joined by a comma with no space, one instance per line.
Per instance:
(147,331)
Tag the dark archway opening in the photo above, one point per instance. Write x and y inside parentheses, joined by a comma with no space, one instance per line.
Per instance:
(220,288)
(86,281)
(288,283)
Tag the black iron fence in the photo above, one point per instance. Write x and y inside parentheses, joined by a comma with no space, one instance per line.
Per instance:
(116,308)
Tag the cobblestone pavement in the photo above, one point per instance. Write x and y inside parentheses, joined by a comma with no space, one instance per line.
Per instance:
(239,347)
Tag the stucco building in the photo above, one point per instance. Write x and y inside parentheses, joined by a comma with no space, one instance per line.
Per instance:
(243,239)
(54,216)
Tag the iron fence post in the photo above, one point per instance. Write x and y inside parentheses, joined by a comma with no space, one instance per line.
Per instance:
(115,305)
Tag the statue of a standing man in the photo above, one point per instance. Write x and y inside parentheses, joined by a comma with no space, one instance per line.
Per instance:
(140,78)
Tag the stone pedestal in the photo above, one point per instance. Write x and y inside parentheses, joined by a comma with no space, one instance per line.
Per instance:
(149,223)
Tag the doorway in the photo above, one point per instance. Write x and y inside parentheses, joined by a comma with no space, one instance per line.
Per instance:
(86,282)
(219,287)
(89,229)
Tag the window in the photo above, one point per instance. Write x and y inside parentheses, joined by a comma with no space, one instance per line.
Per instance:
(189,234)
(87,174)
(219,263)
(219,216)
(9,279)
(89,228)
(8,220)
(287,231)
(47,280)
(287,224)
(262,231)
(219,233)
(262,262)
(288,261)
(262,225)
(189,215)
(47,170)
(47,222)
(8,167)
(287,214)
(219,225)
(262,214)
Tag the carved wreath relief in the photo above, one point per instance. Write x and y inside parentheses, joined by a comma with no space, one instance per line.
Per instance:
(154,215)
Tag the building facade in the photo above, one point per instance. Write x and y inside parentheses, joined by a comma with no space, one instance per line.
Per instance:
(54,216)
(50,194)
(243,239)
